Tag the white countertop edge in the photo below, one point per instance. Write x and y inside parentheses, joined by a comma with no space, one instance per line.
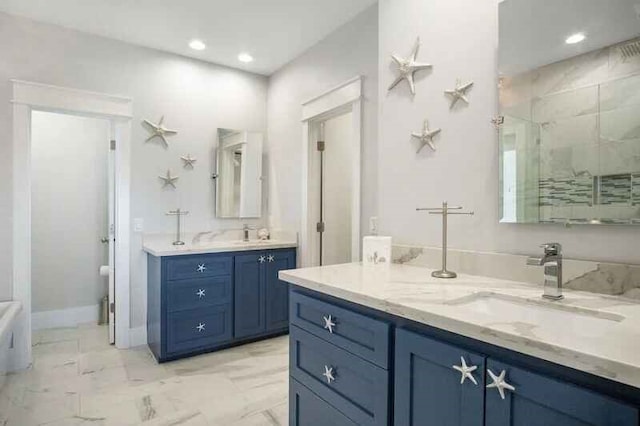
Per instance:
(601,367)
(187,250)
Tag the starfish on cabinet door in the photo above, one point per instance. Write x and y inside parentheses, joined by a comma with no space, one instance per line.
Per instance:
(408,67)
(466,371)
(188,161)
(200,293)
(329,323)
(159,131)
(426,137)
(201,267)
(168,179)
(500,383)
(328,374)
(200,327)
(459,93)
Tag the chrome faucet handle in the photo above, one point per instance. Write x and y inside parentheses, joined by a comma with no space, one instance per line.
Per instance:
(552,248)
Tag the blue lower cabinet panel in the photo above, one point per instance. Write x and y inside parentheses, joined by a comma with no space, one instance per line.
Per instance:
(542,401)
(359,334)
(428,390)
(198,293)
(277,291)
(308,409)
(355,387)
(249,294)
(198,328)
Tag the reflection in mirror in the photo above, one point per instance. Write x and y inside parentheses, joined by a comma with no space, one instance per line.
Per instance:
(239,181)
(570,98)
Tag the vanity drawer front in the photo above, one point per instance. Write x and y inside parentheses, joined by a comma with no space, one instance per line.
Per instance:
(198,293)
(359,334)
(354,386)
(198,266)
(198,328)
(307,408)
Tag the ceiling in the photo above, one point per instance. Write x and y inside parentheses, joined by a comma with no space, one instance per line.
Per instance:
(273,31)
(533,32)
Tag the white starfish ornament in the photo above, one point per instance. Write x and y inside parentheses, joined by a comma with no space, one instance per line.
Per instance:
(426,137)
(459,93)
(328,374)
(188,161)
(168,179)
(328,323)
(499,383)
(200,293)
(200,327)
(466,371)
(201,267)
(159,131)
(408,67)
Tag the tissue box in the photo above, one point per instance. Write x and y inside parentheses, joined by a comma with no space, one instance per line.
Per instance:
(376,250)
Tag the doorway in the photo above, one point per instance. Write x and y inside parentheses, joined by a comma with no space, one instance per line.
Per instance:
(72,221)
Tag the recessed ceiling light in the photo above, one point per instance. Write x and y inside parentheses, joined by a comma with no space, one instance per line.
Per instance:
(575,38)
(245,57)
(197,44)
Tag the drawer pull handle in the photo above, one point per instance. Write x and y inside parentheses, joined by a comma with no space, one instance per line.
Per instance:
(262,259)
(329,323)
(200,327)
(200,293)
(201,267)
(270,258)
(500,383)
(328,374)
(466,371)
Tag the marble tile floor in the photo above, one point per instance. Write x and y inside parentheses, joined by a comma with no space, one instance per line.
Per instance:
(77,378)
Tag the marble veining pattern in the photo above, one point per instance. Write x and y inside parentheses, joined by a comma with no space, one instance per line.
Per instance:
(78,379)
(608,347)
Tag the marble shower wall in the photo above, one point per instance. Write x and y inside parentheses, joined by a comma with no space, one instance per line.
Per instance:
(604,278)
(587,109)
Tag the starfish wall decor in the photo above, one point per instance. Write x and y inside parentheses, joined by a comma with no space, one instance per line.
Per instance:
(407,68)
(158,131)
(459,93)
(426,137)
(188,161)
(168,179)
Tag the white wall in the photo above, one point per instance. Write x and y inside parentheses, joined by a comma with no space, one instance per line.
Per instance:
(69,210)
(195,97)
(460,38)
(351,50)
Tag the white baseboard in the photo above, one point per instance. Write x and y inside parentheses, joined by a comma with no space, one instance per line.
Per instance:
(70,317)
(138,336)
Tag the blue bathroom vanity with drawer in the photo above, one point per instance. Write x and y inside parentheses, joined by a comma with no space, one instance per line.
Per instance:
(374,348)
(203,302)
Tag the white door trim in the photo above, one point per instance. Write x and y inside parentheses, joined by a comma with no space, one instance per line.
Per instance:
(346,97)
(29,96)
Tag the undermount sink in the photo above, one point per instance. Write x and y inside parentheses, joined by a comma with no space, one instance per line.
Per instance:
(568,319)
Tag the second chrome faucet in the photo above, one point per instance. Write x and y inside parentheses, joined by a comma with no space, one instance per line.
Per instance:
(552,262)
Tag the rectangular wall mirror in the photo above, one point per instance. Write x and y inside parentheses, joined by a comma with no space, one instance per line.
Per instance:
(569,88)
(239,174)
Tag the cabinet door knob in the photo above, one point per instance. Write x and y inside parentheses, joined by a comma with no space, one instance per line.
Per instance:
(262,259)
(200,293)
(328,374)
(270,258)
(201,267)
(466,371)
(329,323)
(500,383)
(200,327)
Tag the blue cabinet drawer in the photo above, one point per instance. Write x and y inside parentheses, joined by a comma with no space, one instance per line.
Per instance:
(538,400)
(307,408)
(358,334)
(198,328)
(198,266)
(354,386)
(198,293)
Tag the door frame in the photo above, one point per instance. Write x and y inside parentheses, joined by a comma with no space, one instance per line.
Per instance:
(30,96)
(343,98)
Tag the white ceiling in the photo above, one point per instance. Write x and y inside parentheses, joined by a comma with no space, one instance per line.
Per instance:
(533,32)
(272,31)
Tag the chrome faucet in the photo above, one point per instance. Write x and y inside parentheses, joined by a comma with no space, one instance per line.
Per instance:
(552,262)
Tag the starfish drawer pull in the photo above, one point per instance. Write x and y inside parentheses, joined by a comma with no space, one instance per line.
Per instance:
(328,374)
(500,383)
(329,323)
(466,371)
(201,268)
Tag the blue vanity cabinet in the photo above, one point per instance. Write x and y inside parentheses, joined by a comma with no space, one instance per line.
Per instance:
(199,303)
(428,390)
(540,400)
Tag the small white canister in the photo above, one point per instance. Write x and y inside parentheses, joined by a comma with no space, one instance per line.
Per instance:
(376,250)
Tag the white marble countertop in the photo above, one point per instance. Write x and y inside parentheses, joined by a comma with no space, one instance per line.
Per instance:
(585,331)
(162,246)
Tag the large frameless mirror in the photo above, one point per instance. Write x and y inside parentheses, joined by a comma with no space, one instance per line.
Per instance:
(569,88)
(239,174)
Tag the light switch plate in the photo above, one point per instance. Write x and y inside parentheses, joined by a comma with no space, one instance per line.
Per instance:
(138,224)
